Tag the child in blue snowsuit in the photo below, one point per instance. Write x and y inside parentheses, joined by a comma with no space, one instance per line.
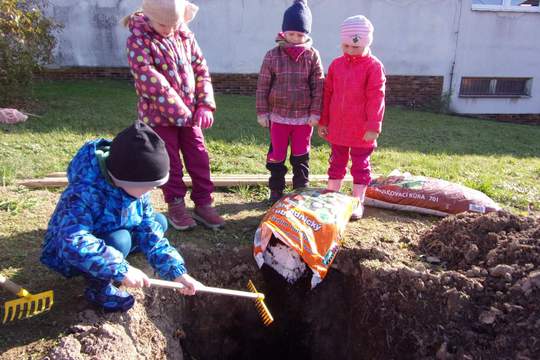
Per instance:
(105,214)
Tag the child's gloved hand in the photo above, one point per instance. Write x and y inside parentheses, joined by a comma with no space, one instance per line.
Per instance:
(135,278)
(204,118)
(264,120)
(370,136)
(313,120)
(323,131)
(191,285)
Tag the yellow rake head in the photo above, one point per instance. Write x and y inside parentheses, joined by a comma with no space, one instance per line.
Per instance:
(28,305)
(261,306)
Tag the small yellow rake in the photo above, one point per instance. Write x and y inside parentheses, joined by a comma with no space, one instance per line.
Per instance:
(261,306)
(266,317)
(28,305)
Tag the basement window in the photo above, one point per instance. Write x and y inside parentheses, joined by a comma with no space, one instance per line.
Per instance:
(507,5)
(495,87)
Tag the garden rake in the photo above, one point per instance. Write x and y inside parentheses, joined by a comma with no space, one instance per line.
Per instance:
(27,305)
(261,306)
(266,317)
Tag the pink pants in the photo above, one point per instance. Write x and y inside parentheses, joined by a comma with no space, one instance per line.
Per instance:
(360,169)
(190,142)
(299,136)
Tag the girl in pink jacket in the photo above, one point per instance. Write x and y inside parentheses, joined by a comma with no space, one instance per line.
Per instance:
(353,108)
(176,98)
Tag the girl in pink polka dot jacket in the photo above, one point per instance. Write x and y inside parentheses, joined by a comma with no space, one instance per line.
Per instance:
(176,99)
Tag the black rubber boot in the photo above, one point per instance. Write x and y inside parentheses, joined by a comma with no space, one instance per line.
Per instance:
(300,166)
(276,183)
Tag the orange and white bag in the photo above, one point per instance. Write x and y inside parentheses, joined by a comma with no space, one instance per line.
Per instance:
(309,221)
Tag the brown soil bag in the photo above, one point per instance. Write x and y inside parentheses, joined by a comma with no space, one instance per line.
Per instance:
(426,195)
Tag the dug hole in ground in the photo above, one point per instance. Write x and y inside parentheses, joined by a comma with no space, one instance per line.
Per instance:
(477,297)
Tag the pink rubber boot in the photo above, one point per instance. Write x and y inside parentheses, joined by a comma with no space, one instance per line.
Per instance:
(359,192)
(334,184)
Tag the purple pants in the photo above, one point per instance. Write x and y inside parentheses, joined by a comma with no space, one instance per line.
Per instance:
(360,169)
(190,142)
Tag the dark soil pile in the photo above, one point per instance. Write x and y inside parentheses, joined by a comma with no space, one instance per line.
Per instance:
(480,301)
(465,241)
(500,253)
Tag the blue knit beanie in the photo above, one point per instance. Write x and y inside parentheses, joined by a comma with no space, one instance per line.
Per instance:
(297,17)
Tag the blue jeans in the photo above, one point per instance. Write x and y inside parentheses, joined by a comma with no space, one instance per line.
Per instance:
(121,239)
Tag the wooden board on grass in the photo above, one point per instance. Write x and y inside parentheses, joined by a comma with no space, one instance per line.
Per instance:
(59,179)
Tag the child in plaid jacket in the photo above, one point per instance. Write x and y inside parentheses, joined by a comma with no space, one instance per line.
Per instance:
(289,98)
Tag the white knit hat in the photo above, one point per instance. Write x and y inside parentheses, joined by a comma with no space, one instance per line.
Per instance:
(169,12)
(357,31)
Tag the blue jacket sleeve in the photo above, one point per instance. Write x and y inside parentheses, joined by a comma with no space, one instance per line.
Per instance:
(163,257)
(83,250)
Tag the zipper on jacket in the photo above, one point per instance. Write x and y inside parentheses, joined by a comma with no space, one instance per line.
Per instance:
(344,80)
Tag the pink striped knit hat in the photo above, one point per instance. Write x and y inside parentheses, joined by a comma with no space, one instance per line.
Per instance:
(357,31)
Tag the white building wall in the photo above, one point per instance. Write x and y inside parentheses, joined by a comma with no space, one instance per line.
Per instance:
(412,37)
(91,34)
(236,34)
(498,44)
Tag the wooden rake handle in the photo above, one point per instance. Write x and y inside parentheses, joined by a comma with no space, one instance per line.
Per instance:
(12,287)
(207,289)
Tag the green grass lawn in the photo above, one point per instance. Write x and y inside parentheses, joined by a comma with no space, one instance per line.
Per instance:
(502,160)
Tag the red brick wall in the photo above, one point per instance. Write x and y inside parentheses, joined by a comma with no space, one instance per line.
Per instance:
(240,84)
(414,91)
(409,91)
(531,119)
(75,73)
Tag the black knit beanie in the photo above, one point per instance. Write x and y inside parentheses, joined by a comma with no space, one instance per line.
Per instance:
(138,157)
(297,17)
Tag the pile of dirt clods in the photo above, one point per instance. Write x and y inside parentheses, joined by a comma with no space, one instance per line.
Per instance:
(497,258)
(470,290)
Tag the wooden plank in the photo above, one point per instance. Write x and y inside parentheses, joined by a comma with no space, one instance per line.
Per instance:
(227,180)
(47,182)
(240,177)
(56,174)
